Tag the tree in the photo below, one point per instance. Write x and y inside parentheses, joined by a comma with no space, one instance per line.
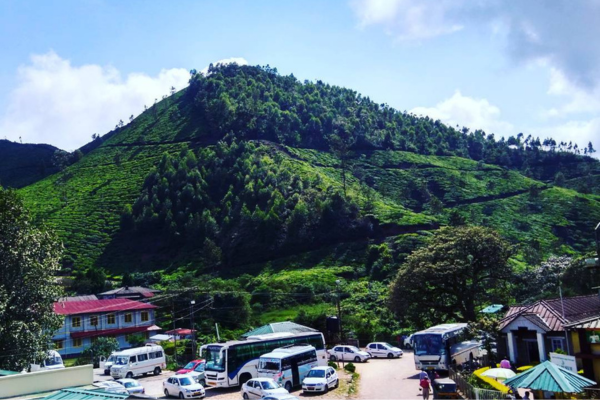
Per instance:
(559,179)
(340,144)
(29,259)
(101,347)
(461,269)
(136,340)
(61,159)
(127,280)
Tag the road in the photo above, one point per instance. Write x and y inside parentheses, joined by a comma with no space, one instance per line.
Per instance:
(389,379)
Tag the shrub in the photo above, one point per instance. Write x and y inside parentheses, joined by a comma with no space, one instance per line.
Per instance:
(333,365)
(350,367)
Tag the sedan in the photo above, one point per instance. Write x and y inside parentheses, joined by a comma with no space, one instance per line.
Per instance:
(184,387)
(348,353)
(280,397)
(382,349)
(132,386)
(196,365)
(258,388)
(111,387)
(320,379)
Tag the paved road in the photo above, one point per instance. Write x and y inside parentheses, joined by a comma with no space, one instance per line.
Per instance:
(389,379)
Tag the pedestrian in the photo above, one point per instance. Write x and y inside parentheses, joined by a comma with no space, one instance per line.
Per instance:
(527,396)
(505,363)
(425,384)
(515,393)
(423,375)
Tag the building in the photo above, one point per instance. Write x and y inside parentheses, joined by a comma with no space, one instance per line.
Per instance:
(129,292)
(89,319)
(79,298)
(530,332)
(279,327)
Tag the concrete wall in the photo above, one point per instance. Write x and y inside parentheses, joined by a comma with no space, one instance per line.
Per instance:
(45,381)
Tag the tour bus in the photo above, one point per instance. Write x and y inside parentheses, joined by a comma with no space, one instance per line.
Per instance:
(234,362)
(438,347)
(137,361)
(288,365)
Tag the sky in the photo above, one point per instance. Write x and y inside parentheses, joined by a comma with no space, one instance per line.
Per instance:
(74,68)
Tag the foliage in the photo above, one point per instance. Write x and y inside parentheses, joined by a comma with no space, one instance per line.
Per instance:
(459,270)
(29,258)
(102,346)
(333,365)
(24,164)
(137,340)
(350,367)
(486,330)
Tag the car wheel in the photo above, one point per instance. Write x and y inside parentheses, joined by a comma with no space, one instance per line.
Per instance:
(245,396)
(390,355)
(357,359)
(288,386)
(332,358)
(181,396)
(337,383)
(167,393)
(326,389)
(129,375)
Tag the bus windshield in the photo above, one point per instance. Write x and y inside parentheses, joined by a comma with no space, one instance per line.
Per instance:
(429,344)
(215,358)
(269,364)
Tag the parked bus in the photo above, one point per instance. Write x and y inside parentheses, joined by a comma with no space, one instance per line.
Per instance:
(288,365)
(234,362)
(438,347)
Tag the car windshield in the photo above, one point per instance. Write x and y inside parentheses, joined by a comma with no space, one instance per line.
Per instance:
(189,365)
(429,344)
(131,384)
(122,360)
(269,364)
(215,358)
(266,385)
(199,368)
(185,381)
(316,373)
(111,358)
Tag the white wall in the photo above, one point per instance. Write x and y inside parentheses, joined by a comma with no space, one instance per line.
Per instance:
(45,381)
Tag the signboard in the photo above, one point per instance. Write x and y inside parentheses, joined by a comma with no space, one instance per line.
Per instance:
(592,336)
(562,360)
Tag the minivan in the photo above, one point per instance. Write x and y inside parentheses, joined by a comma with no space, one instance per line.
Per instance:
(141,360)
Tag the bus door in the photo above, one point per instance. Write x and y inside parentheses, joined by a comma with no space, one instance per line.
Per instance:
(295,372)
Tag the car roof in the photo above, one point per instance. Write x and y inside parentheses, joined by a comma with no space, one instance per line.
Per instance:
(263,379)
(318,368)
(126,380)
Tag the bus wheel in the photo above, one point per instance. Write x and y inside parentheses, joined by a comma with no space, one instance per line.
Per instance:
(129,375)
(245,378)
(288,386)
(357,359)
(157,371)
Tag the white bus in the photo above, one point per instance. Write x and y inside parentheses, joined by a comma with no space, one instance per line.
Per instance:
(288,365)
(234,362)
(438,347)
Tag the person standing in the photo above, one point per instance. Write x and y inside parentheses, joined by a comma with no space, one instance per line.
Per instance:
(505,363)
(425,385)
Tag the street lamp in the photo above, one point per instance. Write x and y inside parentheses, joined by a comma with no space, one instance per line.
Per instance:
(193,303)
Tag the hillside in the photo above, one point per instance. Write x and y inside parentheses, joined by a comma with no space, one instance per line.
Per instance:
(24,164)
(272,185)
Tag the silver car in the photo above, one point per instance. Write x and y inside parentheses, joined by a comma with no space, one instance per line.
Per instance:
(132,386)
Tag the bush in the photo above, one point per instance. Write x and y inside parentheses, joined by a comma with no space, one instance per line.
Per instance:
(333,365)
(350,367)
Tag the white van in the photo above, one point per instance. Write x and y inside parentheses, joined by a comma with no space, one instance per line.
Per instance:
(53,361)
(138,361)
(288,366)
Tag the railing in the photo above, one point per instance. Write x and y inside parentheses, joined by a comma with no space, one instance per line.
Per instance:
(470,392)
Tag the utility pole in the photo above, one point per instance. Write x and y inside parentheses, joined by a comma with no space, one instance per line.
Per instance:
(193,303)
(175,332)
(339,310)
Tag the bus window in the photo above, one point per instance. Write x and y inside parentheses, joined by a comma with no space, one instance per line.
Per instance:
(269,364)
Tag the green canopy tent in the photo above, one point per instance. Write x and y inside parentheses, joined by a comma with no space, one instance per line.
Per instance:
(550,378)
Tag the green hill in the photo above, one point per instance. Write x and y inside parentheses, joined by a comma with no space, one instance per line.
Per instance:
(24,164)
(266,181)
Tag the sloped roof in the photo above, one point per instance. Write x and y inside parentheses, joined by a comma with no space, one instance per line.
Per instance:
(79,298)
(131,290)
(550,311)
(279,327)
(551,378)
(99,306)
(81,394)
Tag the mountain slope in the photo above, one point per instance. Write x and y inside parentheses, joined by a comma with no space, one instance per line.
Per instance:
(146,196)
(23,164)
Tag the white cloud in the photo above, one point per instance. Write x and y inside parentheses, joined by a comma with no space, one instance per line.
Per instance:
(470,112)
(580,132)
(578,100)
(225,61)
(61,104)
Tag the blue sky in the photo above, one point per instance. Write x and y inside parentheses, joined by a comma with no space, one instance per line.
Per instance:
(73,68)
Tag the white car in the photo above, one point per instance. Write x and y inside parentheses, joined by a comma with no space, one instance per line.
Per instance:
(320,379)
(408,342)
(111,387)
(132,386)
(348,353)
(184,387)
(383,349)
(280,397)
(258,388)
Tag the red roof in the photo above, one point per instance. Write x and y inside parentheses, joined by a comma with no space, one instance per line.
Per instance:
(180,331)
(114,332)
(99,306)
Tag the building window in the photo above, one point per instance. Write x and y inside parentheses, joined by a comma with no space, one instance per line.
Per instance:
(76,322)
(110,319)
(128,318)
(145,316)
(59,344)
(94,320)
(557,343)
(77,342)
